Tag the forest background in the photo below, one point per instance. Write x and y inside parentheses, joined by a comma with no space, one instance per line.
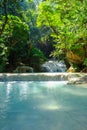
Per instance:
(33,31)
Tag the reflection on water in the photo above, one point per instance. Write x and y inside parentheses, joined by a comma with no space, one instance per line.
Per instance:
(50,106)
(77,93)
(42,106)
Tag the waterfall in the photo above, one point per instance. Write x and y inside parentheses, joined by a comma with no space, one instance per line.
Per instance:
(33,77)
(53,66)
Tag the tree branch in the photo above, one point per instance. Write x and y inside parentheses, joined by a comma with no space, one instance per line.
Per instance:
(6,17)
(52,28)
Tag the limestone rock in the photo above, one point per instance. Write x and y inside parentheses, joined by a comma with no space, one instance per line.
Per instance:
(74,58)
(71,69)
(23,69)
(80,78)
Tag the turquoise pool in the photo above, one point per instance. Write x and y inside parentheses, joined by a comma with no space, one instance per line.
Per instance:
(44,105)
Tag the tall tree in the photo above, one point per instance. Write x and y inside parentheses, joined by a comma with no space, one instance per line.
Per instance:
(8,7)
(68,22)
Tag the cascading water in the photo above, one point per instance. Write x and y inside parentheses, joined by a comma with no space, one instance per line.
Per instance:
(54,66)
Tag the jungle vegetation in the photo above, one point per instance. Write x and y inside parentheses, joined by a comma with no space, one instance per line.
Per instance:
(32,31)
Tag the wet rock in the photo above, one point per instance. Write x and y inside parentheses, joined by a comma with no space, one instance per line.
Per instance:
(77,79)
(23,69)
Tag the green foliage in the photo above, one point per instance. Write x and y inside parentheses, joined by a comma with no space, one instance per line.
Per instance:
(35,52)
(3,56)
(68,22)
(18,27)
(13,40)
(36,58)
(41,22)
(85,62)
(20,30)
(15,30)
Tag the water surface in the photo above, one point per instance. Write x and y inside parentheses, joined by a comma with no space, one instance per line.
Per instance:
(42,106)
